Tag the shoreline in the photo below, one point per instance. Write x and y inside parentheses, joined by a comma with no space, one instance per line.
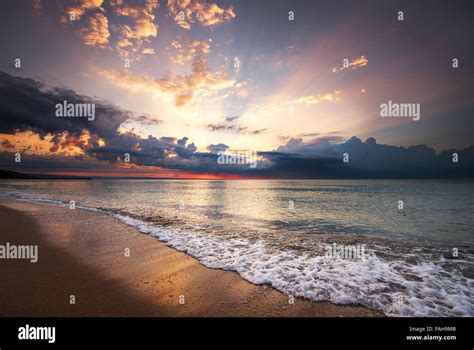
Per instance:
(82,253)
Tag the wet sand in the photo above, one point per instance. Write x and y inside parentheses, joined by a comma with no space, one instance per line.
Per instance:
(84,254)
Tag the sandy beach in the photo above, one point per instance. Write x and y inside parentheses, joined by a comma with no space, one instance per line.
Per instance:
(83,254)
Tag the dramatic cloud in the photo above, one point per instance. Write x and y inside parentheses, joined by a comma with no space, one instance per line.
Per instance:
(27,104)
(322,158)
(142,16)
(143,26)
(27,110)
(97,32)
(359,62)
(79,7)
(182,87)
(28,124)
(94,29)
(132,22)
(185,12)
(190,51)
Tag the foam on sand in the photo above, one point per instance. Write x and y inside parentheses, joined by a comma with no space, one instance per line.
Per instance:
(397,288)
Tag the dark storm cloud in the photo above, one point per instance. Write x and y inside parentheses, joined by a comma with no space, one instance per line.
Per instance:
(26,104)
(322,159)
(53,162)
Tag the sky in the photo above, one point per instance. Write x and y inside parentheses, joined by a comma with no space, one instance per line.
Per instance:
(298,82)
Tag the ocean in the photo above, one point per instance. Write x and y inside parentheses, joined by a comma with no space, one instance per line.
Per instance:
(416,236)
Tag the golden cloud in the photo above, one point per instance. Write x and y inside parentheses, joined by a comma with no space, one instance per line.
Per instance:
(123,42)
(182,88)
(186,53)
(142,16)
(185,12)
(143,27)
(97,33)
(315,99)
(148,51)
(176,44)
(94,30)
(199,83)
(354,64)
(82,6)
(31,143)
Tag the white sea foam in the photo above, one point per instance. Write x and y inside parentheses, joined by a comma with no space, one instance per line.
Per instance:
(395,287)
(372,282)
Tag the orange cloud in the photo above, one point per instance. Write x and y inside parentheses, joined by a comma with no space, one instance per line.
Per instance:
(176,44)
(123,42)
(143,27)
(143,18)
(315,99)
(354,64)
(148,51)
(185,12)
(97,33)
(82,6)
(95,29)
(31,143)
(189,51)
(181,88)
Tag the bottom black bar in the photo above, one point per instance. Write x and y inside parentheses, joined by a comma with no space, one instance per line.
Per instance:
(64,333)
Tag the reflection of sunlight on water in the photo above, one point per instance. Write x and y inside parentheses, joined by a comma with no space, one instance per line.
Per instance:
(436,210)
